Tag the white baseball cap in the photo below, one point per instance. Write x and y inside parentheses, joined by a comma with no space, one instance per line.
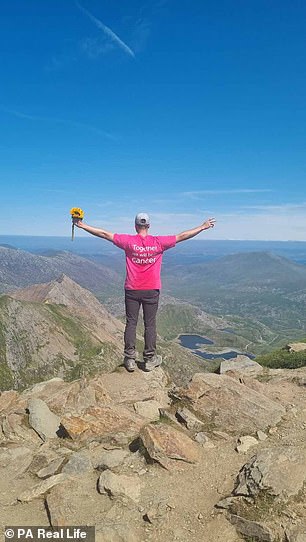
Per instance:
(142,219)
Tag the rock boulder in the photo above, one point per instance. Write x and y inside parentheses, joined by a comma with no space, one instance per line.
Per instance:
(226,404)
(278,471)
(167,446)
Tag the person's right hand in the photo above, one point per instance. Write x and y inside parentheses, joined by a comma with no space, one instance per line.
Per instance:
(209,223)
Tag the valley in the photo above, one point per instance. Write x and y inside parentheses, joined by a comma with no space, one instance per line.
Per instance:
(260,297)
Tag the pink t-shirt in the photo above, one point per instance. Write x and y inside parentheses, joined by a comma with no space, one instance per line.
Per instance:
(143,257)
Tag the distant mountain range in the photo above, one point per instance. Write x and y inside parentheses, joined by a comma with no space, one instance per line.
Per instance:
(19,268)
(253,270)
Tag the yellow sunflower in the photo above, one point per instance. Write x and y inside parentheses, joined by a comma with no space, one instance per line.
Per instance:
(76,212)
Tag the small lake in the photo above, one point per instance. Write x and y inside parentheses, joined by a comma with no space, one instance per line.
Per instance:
(225,355)
(193,342)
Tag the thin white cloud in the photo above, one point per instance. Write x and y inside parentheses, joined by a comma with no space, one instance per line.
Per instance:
(76,124)
(199,193)
(171,216)
(272,225)
(107,204)
(56,191)
(280,207)
(108,31)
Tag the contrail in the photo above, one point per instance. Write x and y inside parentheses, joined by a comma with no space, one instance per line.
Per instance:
(107,31)
(76,124)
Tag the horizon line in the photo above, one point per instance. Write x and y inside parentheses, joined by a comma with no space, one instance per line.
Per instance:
(195,240)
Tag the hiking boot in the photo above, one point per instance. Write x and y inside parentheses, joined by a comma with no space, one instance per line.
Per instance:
(152,363)
(130,364)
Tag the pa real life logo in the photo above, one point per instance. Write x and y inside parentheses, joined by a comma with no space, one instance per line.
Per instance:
(63,533)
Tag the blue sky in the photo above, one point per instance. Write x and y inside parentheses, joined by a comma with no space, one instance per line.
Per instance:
(185,110)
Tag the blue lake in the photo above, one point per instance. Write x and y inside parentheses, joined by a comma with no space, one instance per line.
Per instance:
(193,342)
(225,355)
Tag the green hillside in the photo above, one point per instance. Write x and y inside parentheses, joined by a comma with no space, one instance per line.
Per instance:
(39,341)
(172,320)
(283,359)
(266,291)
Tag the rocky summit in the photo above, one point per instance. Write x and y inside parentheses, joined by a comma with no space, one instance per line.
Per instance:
(222,458)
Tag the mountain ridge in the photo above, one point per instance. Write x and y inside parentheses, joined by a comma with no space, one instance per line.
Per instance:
(246,268)
(78,300)
(55,329)
(19,268)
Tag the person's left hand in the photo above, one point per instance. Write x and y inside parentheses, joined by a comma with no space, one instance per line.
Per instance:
(77,222)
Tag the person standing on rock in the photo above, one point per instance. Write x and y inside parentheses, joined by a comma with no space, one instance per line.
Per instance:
(143,253)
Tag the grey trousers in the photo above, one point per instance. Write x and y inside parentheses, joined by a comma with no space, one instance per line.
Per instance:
(149,301)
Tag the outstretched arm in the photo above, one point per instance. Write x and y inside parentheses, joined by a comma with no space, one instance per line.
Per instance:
(95,231)
(188,234)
